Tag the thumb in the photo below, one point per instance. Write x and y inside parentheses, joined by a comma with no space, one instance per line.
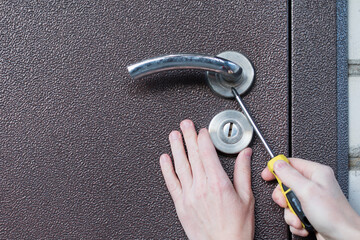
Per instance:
(242,172)
(290,176)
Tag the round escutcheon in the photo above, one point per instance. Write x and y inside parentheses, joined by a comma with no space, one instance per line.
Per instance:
(230,131)
(222,86)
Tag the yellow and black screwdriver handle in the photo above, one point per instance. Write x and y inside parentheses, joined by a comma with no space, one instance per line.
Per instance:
(291,199)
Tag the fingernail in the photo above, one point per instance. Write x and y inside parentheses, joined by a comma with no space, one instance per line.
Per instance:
(175,135)
(248,152)
(280,164)
(186,123)
(162,158)
(203,130)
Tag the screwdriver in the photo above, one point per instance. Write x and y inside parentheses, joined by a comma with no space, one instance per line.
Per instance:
(291,199)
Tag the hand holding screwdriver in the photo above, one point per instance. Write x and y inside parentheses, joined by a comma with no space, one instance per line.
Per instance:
(325,205)
(317,189)
(291,199)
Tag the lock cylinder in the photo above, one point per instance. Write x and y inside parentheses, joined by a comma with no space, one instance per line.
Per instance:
(230,131)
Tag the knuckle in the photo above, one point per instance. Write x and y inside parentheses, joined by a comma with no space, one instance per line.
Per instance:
(172,187)
(200,194)
(278,197)
(199,186)
(215,188)
(308,190)
(297,223)
(176,196)
(292,220)
(199,189)
(180,170)
(327,172)
(174,191)
(194,199)
(219,186)
(188,202)
(287,220)
(275,196)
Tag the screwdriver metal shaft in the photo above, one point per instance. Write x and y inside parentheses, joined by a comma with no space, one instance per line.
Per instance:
(247,114)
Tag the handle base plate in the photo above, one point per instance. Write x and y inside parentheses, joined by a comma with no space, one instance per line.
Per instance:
(221,86)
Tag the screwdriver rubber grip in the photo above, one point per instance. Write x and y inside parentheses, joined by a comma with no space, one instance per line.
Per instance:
(291,199)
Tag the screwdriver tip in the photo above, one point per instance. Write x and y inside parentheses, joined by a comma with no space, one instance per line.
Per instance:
(234,91)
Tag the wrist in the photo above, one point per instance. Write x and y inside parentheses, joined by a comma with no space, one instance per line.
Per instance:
(355,230)
(352,229)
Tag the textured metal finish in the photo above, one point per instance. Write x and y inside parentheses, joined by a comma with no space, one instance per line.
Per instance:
(315,124)
(80,139)
(221,86)
(342,95)
(230,131)
(228,69)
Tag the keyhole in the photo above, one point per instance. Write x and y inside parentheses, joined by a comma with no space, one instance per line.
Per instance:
(230,130)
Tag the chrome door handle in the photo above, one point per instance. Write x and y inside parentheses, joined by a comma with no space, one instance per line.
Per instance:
(226,70)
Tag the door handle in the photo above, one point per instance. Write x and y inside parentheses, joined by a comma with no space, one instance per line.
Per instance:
(224,71)
(230,70)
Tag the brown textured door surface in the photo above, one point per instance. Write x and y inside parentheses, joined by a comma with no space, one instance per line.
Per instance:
(80,139)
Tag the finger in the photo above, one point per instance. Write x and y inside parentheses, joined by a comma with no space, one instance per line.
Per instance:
(292,220)
(312,170)
(209,157)
(171,180)
(242,172)
(290,176)
(182,166)
(305,167)
(191,141)
(267,175)
(278,197)
(299,232)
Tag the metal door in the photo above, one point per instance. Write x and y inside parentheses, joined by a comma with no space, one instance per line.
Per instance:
(80,139)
